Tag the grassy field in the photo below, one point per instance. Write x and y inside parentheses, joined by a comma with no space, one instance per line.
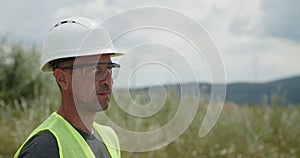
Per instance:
(241,131)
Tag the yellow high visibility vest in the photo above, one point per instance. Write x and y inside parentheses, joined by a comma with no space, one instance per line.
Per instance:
(71,143)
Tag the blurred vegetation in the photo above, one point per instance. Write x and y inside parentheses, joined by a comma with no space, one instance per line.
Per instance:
(27,97)
(259,131)
(20,78)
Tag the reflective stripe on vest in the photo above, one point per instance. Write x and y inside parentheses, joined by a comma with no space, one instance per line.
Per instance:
(71,143)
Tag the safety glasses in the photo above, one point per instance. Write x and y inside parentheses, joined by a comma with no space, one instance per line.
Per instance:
(98,70)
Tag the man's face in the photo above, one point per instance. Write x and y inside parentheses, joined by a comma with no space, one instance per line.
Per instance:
(92,85)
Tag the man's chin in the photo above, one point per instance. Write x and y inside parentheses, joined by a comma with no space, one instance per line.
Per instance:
(103,100)
(104,106)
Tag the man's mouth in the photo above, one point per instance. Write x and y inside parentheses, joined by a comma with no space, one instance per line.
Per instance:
(104,94)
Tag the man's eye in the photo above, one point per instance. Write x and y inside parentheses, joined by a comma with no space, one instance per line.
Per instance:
(93,69)
(109,67)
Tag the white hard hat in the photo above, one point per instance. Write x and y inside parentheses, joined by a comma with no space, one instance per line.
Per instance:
(73,37)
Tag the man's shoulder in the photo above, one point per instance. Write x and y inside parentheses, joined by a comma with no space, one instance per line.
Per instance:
(103,128)
(43,144)
(108,135)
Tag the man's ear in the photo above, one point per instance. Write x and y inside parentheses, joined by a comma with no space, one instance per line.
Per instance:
(61,78)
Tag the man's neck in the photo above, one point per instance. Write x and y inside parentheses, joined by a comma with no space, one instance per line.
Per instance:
(78,118)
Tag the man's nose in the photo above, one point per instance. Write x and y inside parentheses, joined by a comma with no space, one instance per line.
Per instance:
(107,79)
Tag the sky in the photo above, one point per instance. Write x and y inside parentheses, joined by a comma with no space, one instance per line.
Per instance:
(257,40)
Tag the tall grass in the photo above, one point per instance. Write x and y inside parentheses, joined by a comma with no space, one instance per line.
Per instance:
(241,131)
(17,123)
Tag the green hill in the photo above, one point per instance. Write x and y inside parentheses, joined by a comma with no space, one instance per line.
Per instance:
(281,92)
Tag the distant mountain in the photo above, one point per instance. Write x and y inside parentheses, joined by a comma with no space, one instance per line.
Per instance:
(280,92)
(285,91)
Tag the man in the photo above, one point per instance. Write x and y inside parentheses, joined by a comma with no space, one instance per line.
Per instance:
(78,52)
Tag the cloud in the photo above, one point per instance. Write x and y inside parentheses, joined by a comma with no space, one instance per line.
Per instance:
(281,19)
(267,18)
(96,9)
(241,28)
(268,59)
(28,21)
(245,18)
